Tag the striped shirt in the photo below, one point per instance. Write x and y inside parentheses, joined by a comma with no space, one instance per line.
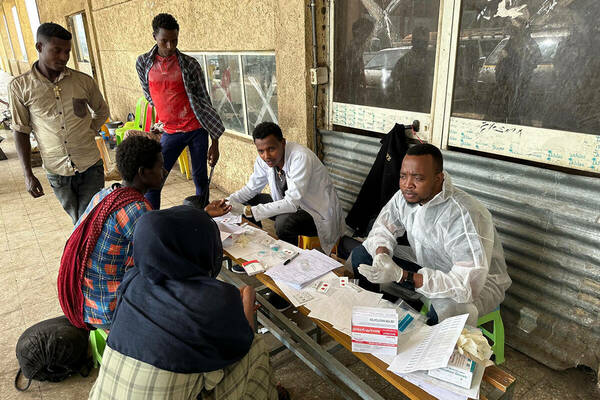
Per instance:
(110,259)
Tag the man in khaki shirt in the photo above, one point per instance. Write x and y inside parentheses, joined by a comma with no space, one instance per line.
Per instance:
(54,102)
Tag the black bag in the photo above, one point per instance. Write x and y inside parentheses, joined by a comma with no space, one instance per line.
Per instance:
(52,350)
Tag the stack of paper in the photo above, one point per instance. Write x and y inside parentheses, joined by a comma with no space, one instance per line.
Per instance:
(337,307)
(428,348)
(305,268)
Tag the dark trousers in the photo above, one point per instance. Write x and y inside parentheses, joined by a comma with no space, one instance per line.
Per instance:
(75,192)
(172,147)
(287,226)
(361,256)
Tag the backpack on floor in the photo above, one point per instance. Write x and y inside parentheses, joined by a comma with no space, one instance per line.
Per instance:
(52,350)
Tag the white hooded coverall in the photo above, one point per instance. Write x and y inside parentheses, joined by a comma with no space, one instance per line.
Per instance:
(452,237)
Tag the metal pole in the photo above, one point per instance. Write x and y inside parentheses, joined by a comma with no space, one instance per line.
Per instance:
(315,86)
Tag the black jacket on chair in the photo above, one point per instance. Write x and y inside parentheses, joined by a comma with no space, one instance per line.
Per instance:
(381,183)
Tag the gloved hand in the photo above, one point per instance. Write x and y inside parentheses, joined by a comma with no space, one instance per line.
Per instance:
(383,270)
(236,208)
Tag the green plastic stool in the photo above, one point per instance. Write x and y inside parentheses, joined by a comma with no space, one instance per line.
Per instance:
(98,343)
(140,122)
(497,334)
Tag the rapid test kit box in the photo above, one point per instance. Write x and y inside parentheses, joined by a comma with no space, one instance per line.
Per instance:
(459,371)
(374,330)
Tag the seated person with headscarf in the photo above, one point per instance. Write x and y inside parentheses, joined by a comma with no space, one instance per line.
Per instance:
(178,332)
(461,267)
(99,250)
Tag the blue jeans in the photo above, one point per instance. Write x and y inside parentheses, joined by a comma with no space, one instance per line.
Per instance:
(75,192)
(172,147)
(360,256)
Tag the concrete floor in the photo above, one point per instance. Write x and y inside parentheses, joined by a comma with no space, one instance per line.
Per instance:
(32,236)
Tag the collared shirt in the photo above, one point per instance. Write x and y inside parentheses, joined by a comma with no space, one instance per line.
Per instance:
(59,115)
(168,92)
(111,258)
(281,181)
(193,81)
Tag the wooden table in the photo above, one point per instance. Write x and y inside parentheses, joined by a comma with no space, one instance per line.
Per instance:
(501,381)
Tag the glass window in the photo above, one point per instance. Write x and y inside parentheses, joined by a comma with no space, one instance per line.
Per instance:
(385,53)
(202,62)
(260,84)
(19,33)
(530,62)
(80,39)
(223,73)
(34,18)
(12,50)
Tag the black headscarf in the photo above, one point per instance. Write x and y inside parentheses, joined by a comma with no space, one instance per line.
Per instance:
(172,312)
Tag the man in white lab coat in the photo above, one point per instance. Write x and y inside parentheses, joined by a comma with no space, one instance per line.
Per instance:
(461,267)
(303,200)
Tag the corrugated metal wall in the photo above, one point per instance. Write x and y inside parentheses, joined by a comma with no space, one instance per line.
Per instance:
(549,223)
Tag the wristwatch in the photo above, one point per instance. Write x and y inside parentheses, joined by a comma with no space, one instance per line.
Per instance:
(410,279)
(248,211)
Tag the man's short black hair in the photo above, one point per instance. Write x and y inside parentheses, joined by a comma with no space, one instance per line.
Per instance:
(164,21)
(49,30)
(424,149)
(135,152)
(265,129)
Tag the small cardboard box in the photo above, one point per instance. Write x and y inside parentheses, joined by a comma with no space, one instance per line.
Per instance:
(459,371)
(253,267)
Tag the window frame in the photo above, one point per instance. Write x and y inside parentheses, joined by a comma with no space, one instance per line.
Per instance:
(17,21)
(12,48)
(32,11)
(203,54)
(555,148)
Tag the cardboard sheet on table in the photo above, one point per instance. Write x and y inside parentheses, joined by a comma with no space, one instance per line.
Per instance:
(246,242)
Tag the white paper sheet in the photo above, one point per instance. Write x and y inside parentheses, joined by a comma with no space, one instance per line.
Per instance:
(461,393)
(429,347)
(229,218)
(433,389)
(336,307)
(305,268)
(439,389)
(230,228)
(224,235)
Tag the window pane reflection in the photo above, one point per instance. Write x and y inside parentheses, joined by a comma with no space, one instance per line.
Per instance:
(223,73)
(260,83)
(532,62)
(78,30)
(385,53)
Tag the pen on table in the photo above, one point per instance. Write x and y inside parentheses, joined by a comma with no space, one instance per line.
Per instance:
(289,260)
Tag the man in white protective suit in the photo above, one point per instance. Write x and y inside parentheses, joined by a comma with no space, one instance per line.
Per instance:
(460,262)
